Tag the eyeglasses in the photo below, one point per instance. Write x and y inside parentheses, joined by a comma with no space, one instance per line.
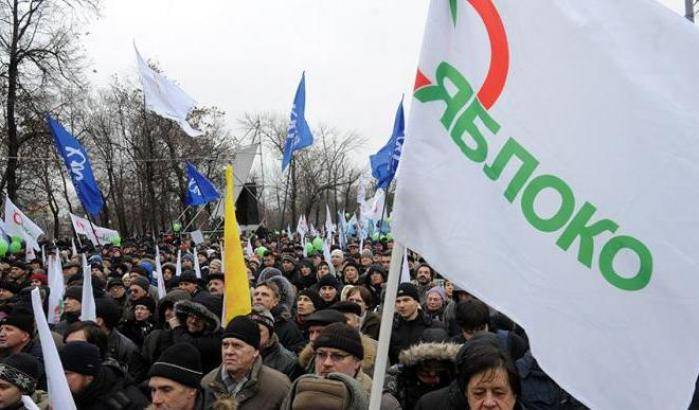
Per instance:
(335,357)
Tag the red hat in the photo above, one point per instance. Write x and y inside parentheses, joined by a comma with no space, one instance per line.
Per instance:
(41,277)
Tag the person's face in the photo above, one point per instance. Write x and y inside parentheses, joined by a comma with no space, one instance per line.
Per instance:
(202,259)
(11,337)
(328,293)
(5,294)
(351,274)
(305,270)
(434,301)
(336,259)
(423,275)
(287,266)
(406,306)
(136,292)
(268,261)
(314,332)
(168,274)
(386,262)
(77,382)
(356,297)
(169,313)
(216,287)
(430,372)
(9,394)
(331,360)
(352,320)
(215,267)
(354,250)
(237,356)
(490,389)
(448,288)
(34,282)
(376,278)
(265,297)
(187,264)
(71,305)
(366,261)
(195,324)
(141,313)
(16,273)
(188,287)
(264,336)
(323,270)
(117,292)
(167,394)
(304,305)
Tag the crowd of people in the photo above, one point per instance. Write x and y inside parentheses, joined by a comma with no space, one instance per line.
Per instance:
(310,341)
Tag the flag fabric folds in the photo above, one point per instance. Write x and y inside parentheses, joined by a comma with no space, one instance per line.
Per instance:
(236,299)
(299,135)
(552,174)
(385,162)
(17,223)
(199,189)
(79,168)
(88,309)
(164,97)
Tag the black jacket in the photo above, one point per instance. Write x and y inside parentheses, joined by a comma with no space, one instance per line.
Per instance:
(407,333)
(448,398)
(290,336)
(110,390)
(123,350)
(281,359)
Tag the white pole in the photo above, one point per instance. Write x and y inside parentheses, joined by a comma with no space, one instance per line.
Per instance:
(389,307)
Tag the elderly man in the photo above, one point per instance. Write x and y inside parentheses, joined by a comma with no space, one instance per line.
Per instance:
(174,379)
(242,376)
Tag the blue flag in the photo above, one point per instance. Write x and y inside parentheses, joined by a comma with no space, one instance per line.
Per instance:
(385,162)
(79,169)
(199,189)
(299,135)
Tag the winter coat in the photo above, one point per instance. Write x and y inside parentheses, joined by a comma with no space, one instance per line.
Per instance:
(110,390)
(265,388)
(123,350)
(67,319)
(402,381)
(370,346)
(281,359)
(136,330)
(407,333)
(371,325)
(290,336)
(539,391)
(153,343)
(208,342)
(508,341)
(451,397)
(40,398)
(356,397)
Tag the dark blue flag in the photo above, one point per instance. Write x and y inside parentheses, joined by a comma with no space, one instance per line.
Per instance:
(299,135)
(199,189)
(385,162)
(79,169)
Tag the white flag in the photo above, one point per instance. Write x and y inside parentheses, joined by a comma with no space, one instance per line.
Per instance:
(57,287)
(73,248)
(88,309)
(29,254)
(17,223)
(249,252)
(59,393)
(405,271)
(302,226)
(327,256)
(197,269)
(375,210)
(29,403)
(329,228)
(165,98)
(82,226)
(178,266)
(159,272)
(551,169)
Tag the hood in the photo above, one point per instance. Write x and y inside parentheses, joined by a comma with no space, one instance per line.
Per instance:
(422,352)
(355,397)
(185,308)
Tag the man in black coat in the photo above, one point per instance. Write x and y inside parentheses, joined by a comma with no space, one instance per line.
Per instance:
(409,322)
(97,386)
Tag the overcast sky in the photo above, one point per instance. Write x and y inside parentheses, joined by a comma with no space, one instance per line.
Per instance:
(244,56)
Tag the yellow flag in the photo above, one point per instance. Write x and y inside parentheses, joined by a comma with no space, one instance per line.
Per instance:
(236,300)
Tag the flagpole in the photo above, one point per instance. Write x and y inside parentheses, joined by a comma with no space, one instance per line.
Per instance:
(286,190)
(387,313)
(193,219)
(92,226)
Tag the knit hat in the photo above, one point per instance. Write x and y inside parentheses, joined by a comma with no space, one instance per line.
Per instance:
(245,329)
(313,295)
(140,270)
(328,280)
(267,273)
(324,317)
(74,292)
(114,282)
(408,289)
(23,321)
(438,290)
(40,277)
(82,358)
(109,310)
(341,336)
(22,370)
(180,362)
(347,307)
(188,276)
(141,283)
(147,301)
(262,316)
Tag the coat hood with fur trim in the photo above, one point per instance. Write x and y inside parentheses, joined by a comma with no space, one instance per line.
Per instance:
(422,352)
(185,308)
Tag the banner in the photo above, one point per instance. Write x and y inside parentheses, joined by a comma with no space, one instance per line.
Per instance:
(550,170)
(385,162)
(96,234)
(199,189)
(299,135)
(17,223)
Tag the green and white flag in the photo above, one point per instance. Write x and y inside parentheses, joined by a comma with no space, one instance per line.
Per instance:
(550,168)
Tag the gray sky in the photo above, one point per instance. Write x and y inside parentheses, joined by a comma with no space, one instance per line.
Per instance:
(247,56)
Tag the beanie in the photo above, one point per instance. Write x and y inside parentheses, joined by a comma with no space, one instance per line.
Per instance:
(109,310)
(440,291)
(347,307)
(341,336)
(22,370)
(82,358)
(21,320)
(74,292)
(140,270)
(408,289)
(141,282)
(114,282)
(262,316)
(324,317)
(267,273)
(180,362)
(313,295)
(328,280)
(147,301)
(245,329)
(40,277)
(188,276)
